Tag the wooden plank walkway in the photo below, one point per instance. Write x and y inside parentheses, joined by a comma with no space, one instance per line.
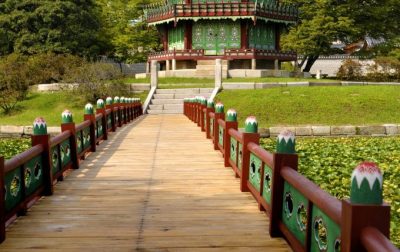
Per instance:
(156,185)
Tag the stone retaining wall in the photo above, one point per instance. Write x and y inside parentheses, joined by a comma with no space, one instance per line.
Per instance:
(18,131)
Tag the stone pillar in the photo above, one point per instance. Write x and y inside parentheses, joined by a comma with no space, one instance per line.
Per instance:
(218,73)
(253,64)
(147,67)
(173,64)
(154,74)
(167,65)
(276,64)
(318,75)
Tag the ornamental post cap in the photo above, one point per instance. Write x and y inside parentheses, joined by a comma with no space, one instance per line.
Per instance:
(66,116)
(219,107)
(203,100)
(251,125)
(116,99)
(286,142)
(39,126)
(109,100)
(210,103)
(100,103)
(88,109)
(366,184)
(231,115)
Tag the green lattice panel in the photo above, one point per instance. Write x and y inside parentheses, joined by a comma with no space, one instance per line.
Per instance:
(221,136)
(86,137)
(211,126)
(13,188)
(109,122)
(255,171)
(99,129)
(176,37)
(65,151)
(266,194)
(240,156)
(325,233)
(79,142)
(216,35)
(294,212)
(262,36)
(55,159)
(116,117)
(33,173)
(233,152)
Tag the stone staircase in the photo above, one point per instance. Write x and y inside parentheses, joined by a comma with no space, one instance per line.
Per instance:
(170,101)
(206,69)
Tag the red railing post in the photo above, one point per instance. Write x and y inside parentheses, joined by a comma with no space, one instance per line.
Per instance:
(230,123)
(2,202)
(67,123)
(40,136)
(210,108)
(249,135)
(365,207)
(219,114)
(284,156)
(101,110)
(89,115)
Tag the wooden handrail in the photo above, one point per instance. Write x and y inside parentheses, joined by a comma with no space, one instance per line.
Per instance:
(222,123)
(82,125)
(375,241)
(22,158)
(60,138)
(236,134)
(330,205)
(261,153)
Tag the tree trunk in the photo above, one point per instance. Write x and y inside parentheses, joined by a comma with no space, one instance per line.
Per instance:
(310,62)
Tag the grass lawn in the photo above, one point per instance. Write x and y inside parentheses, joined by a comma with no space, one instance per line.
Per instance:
(49,106)
(316,105)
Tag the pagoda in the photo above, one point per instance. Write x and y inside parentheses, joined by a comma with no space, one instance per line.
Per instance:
(244,34)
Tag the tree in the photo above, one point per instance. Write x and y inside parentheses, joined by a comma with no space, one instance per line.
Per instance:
(129,35)
(325,21)
(13,81)
(321,23)
(68,26)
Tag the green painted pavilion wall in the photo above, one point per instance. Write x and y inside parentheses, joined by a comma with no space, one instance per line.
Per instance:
(262,36)
(176,37)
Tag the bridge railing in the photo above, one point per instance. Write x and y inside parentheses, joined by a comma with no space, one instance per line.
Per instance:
(34,172)
(309,218)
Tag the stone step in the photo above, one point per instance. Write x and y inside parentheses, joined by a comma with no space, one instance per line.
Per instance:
(184,91)
(182,96)
(156,107)
(164,96)
(173,106)
(166,101)
(170,111)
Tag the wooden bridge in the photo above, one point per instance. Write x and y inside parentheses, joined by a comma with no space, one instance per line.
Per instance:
(159,184)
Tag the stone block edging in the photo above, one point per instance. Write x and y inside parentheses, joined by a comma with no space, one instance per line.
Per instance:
(19,131)
(336,131)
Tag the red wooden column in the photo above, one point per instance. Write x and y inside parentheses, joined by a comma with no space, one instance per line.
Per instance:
(210,108)
(187,40)
(284,156)
(249,135)
(40,136)
(67,123)
(365,207)
(244,39)
(90,116)
(230,123)
(2,202)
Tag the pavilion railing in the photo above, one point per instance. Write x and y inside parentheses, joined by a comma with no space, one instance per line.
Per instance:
(309,218)
(34,172)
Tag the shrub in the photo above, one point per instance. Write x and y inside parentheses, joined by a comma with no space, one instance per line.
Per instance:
(349,70)
(384,69)
(13,81)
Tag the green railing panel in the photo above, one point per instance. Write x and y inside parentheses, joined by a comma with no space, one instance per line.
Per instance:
(294,212)
(211,126)
(99,129)
(255,171)
(13,188)
(33,174)
(79,142)
(266,193)
(325,233)
(109,122)
(221,136)
(55,159)
(116,117)
(86,137)
(240,150)
(233,154)
(65,150)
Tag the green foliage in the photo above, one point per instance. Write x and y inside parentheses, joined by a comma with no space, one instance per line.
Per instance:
(350,70)
(13,81)
(32,27)
(329,162)
(384,69)
(355,105)
(13,146)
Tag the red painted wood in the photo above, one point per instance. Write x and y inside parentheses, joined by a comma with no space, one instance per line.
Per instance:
(373,240)
(92,119)
(44,141)
(74,150)
(2,202)
(227,141)
(247,138)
